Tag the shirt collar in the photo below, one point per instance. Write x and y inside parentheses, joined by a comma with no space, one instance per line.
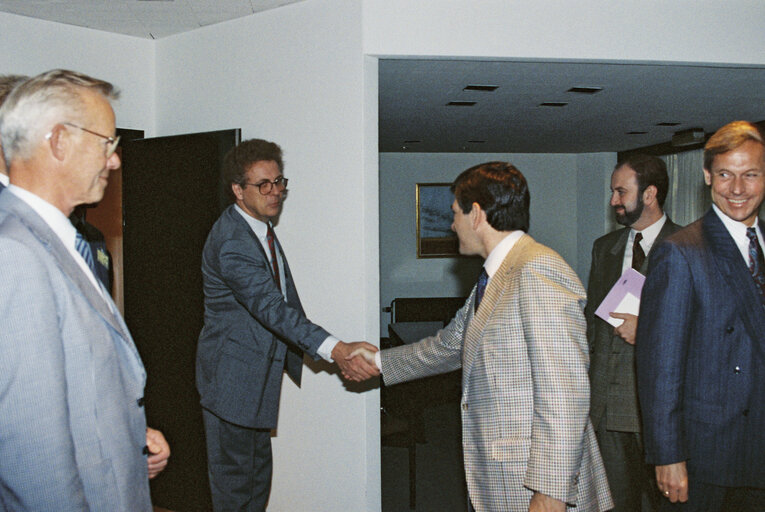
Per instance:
(650,233)
(258,227)
(52,216)
(498,254)
(4,179)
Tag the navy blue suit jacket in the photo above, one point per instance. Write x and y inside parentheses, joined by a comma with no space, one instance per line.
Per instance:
(700,358)
(250,332)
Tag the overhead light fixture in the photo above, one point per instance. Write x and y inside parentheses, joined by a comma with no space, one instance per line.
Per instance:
(484,88)
(585,90)
(688,137)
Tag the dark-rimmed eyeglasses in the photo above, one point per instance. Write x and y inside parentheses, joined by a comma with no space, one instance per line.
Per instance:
(111,142)
(265,187)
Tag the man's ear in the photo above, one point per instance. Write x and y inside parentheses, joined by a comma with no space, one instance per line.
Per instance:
(476,215)
(649,194)
(236,188)
(59,141)
(707,177)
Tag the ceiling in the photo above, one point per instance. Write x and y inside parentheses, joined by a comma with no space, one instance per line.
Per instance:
(414,97)
(151,19)
(414,93)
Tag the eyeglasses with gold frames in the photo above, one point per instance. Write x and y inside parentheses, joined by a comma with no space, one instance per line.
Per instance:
(111,142)
(265,187)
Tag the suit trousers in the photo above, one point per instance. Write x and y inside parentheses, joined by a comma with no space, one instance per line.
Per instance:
(239,465)
(632,481)
(703,497)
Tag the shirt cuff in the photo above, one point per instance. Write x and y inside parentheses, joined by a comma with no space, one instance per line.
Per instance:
(378,361)
(325,349)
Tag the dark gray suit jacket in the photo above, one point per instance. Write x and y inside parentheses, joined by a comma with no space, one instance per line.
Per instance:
(250,332)
(613,389)
(701,358)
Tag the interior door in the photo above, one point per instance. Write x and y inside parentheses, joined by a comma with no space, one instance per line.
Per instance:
(172,194)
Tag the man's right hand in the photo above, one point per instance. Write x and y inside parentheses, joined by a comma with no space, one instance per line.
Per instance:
(672,480)
(353,368)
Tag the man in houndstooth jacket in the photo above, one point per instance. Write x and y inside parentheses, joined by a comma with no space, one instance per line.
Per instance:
(527,439)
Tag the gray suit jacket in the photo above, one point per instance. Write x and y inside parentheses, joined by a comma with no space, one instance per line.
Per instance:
(72,425)
(612,365)
(249,330)
(525,393)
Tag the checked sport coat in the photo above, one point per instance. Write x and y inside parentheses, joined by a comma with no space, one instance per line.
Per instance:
(525,390)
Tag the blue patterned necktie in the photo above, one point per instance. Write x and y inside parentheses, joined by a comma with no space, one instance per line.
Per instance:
(83,247)
(483,279)
(756,262)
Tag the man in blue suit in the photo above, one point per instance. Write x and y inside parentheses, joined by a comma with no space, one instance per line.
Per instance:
(701,340)
(254,329)
(73,432)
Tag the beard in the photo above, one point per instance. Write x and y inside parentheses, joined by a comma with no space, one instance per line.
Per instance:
(629,217)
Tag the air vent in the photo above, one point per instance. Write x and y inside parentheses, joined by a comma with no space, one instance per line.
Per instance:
(553,104)
(476,142)
(460,104)
(636,132)
(484,88)
(668,123)
(585,90)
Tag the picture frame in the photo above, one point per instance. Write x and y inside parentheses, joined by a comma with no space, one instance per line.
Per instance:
(435,238)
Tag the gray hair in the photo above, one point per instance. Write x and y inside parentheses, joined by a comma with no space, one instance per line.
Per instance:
(35,106)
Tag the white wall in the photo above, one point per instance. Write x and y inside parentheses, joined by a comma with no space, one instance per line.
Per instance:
(32,46)
(295,75)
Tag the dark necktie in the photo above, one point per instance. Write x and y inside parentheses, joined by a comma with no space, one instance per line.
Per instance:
(482,280)
(274,263)
(756,261)
(83,247)
(638,255)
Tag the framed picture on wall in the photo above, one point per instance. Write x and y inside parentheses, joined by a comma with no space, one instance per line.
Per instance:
(435,238)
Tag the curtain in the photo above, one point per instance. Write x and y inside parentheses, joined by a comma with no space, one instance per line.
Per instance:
(688,197)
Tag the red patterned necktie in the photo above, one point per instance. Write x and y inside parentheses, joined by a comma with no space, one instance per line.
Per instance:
(274,263)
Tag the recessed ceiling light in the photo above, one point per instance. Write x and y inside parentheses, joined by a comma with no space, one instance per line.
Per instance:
(553,104)
(485,88)
(636,133)
(668,123)
(585,90)
(460,104)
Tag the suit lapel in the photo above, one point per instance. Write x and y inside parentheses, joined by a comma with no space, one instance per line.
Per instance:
(612,266)
(735,273)
(495,290)
(52,243)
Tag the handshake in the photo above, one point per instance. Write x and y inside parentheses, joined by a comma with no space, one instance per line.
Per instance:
(356,360)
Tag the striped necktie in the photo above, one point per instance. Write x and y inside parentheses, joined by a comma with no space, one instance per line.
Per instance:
(756,262)
(83,247)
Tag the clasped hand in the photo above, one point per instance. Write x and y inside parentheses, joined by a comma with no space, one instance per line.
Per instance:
(354,361)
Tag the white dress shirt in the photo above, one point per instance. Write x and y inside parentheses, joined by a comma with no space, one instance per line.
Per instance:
(737,230)
(649,237)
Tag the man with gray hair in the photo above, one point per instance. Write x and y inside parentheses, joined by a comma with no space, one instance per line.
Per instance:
(7,83)
(74,433)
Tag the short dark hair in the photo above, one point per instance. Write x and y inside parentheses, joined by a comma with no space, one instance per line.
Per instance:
(650,170)
(239,159)
(730,137)
(500,190)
